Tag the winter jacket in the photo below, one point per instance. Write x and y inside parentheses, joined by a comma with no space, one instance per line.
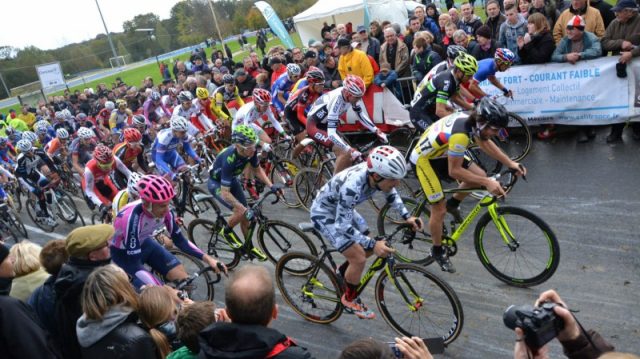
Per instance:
(591,48)
(402,58)
(549,11)
(509,35)
(330,75)
(116,336)
(476,50)
(494,24)
(182,353)
(592,19)
(617,32)
(25,285)
(373,48)
(43,303)
(432,26)
(605,11)
(390,81)
(239,341)
(356,62)
(538,50)
(471,26)
(248,85)
(423,62)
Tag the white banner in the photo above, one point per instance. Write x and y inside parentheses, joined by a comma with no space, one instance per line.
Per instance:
(587,93)
(50,75)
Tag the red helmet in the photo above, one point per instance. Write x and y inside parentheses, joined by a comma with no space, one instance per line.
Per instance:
(315,75)
(103,154)
(353,85)
(261,96)
(155,189)
(132,135)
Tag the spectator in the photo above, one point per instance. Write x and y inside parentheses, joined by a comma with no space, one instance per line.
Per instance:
(485,46)
(107,327)
(414,27)
(455,16)
(27,117)
(437,48)
(297,55)
(548,9)
(536,47)
(450,29)
(310,59)
(261,43)
(470,22)
(591,17)
(426,23)
(442,21)
(229,54)
(605,11)
(463,39)
(623,38)
(191,320)
(387,78)
(432,12)
(354,62)
(245,83)
(510,30)
(88,249)
(395,53)
(495,18)
(374,65)
(410,348)
(370,45)
(250,304)
(342,31)
(262,81)
(158,309)
(375,31)
(199,65)
(332,79)
(43,299)
(277,68)
(21,336)
(523,8)
(29,274)
(325,28)
(449,4)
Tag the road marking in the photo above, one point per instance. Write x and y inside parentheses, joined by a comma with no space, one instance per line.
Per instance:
(38,230)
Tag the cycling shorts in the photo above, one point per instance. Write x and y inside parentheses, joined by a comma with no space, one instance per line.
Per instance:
(236,190)
(152,253)
(339,240)
(295,125)
(430,172)
(318,132)
(422,119)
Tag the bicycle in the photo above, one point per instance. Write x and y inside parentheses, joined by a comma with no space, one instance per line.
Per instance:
(189,198)
(412,300)
(274,237)
(59,204)
(11,226)
(280,171)
(508,244)
(104,215)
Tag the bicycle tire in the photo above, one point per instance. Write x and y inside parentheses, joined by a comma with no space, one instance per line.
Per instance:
(283,172)
(546,245)
(418,249)
(275,241)
(517,144)
(31,211)
(16,200)
(316,303)
(201,289)
(438,302)
(17,223)
(307,184)
(205,234)
(7,231)
(65,200)
(197,208)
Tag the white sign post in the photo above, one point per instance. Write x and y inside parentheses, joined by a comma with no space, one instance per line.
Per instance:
(50,75)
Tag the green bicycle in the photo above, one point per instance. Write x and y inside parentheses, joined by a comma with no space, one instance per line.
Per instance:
(513,244)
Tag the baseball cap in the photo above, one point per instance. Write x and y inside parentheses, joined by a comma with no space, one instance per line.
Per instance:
(625,4)
(343,42)
(361,28)
(274,60)
(310,55)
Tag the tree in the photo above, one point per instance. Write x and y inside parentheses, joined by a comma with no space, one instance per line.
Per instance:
(122,51)
(144,21)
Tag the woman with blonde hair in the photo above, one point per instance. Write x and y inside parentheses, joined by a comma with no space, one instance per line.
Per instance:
(158,310)
(29,274)
(107,328)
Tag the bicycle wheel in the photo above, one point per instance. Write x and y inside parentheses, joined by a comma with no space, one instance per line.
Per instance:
(17,224)
(198,207)
(515,140)
(307,184)
(379,199)
(310,288)
(7,231)
(284,172)
(205,234)
(31,211)
(432,309)
(415,248)
(277,238)
(519,249)
(66,208)
(201,289)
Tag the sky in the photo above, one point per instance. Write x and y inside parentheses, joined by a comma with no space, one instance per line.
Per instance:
(52,24)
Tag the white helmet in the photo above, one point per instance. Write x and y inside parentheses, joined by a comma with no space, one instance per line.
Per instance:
(41,127)
(24,146)
(132,182)
(293,70)
(62,134)
(29,135)
(85,133)
(59,115)
(109,105)
(387,162)
(66,113)
(179,123)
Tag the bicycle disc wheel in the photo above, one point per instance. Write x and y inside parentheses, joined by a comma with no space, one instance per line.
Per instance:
(310,288)
(432,308)
(277,238)
(527,255)
(307,184)
(66,208)
(205,234)
(201,289)
(284,172)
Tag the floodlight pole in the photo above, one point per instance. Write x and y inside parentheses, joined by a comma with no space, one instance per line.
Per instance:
(215,21)
(113,49)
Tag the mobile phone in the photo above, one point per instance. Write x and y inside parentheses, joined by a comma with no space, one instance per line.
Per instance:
(435,346)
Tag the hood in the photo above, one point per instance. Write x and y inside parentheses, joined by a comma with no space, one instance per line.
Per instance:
(91,331)
(229,340)
(74,273)
(521,21)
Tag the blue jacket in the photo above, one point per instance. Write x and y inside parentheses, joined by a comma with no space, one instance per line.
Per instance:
(389,81)
(591,48)
(509,35)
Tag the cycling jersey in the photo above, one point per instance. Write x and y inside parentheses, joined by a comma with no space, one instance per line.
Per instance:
(282,85)
(226,169)
(83,151)
(118,120)
(201,115)
(5,154)
(297,106)
(486,68)
(303,82)
(333,213)
(326,111)
(96,177)
(438,68)
(153,112)
(169,102)
(221,96)
(438,90)
(28,166)
(187,113)
(103,117)
(54,147)
(165,155)
(129,155)
(249,115)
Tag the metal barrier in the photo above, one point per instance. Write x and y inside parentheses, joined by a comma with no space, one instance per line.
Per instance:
(407,89)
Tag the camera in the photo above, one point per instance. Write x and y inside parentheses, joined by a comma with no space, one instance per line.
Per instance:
(539,324)
(434,345)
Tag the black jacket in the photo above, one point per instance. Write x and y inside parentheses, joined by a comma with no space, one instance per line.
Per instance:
(423,62)
(248,85)
(43,302)
(605,11)
(236,341)
(494,25)
(477,52)
(538,50)
(330,75)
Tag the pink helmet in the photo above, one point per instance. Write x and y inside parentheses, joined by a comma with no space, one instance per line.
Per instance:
(155,189)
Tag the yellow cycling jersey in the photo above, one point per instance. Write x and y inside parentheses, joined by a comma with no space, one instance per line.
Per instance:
(449,136)
(219,103)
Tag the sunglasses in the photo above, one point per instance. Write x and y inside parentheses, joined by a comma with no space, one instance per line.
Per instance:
(105,166)
(247,148)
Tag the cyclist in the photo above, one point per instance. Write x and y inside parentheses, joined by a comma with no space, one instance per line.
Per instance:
(333,214)
(154,110)
(120,117)
(226,188)
(324,117)
(7,153)
(127,195)
(133,244)
(251,115)
(222,96)
(96,183)
(164,153)
(130,152)
(170,100)
(439,154)
(202,110)
(487,68)
(41,128)
(295,111)
(185,110)
(102,119)
(58,146)
(431,103)
(32,137)
(282,87)
(32,162)
(140,124)
(82,149)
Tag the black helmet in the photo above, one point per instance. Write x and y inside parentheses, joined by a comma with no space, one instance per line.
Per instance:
(492,113)
(228,79)
(454,50)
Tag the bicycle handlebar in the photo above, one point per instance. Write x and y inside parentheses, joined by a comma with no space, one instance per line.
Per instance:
(272,191)
(182,284)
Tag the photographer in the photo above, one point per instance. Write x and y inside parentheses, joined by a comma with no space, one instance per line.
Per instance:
(577,343)
(410,348)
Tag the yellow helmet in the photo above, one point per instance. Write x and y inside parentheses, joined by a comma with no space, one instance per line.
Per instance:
(466,63)
(202,93)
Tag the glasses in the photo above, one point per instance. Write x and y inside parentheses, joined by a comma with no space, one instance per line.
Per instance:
(249,148)
(297,52)
(105,166)
(581,28)
(135,143)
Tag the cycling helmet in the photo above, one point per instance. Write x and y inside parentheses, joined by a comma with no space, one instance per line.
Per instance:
(201,92)
(66,113)
(85,133)
(261,96)
(62,134)
(41,127)
(109,105)
(505,55)
(134,178)
(228,79)
(3,141)
(353,85)
(132,135)
(293,70)
(155,189)
(185,96)
(155,96)
(244,135)
(492,113)
(59,115)
(24,146)
(466,63)
(139,120)
(315,75)
(387,162)
(121,102)
(454,50)
(103,154)
(81,116)
(179,123)
(9,130)
(31,136)
(173,91)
